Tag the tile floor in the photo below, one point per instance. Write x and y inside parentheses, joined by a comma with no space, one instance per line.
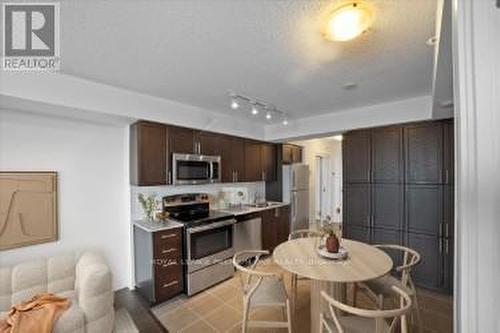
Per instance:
(219,309)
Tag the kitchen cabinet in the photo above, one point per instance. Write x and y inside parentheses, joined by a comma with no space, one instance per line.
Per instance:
(233,159)
(269,161)
(387,155)
(158,263)
(357,205)
(449,153)
(424,153)
(291,153)
(356,157)
(152,146)
(275,227)
(181,140)
(207,143)
(387,206)
(424,209)
(430,272)
(253,161)
(398,189)
(148,154)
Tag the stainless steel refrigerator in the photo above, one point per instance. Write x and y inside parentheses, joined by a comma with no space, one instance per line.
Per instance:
(296,192)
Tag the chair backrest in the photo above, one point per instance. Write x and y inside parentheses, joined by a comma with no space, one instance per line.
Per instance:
(411,258)
(251,278)
(304,233)
(379,316)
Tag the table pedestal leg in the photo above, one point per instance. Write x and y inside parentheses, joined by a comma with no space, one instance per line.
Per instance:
(336,290)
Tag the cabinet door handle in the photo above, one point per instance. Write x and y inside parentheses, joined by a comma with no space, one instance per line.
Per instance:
(237,176)
(168,236)
(447,246)
(169,180)
(169,264)
(440,245)
(446,177)
(166,285)
(168,251)
(199,147)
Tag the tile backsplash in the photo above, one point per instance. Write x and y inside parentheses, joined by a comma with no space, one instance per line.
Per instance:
(214,190)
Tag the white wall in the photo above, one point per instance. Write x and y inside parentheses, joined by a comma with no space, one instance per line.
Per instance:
(333,149)
(93,197)
(408,110)
(476,27)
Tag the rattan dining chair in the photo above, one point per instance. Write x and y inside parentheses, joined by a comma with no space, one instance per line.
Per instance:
(381,288)
(359,320)
(300,233)
(261,289)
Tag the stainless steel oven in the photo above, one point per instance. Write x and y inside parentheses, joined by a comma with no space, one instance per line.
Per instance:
(190,169)
(209,249)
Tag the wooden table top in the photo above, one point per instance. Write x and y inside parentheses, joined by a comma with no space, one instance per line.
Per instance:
(364,262)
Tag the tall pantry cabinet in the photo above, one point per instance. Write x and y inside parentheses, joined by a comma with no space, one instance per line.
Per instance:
(398,189)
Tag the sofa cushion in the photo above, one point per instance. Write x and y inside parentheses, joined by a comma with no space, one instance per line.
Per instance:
(5,288)
(28,280)
(73,319)
(61,273)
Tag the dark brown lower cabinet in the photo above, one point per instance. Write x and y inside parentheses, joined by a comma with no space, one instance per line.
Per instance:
(430,272)
(158,263)
(275,227)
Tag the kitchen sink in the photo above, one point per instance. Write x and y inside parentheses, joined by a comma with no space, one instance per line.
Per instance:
(262,204)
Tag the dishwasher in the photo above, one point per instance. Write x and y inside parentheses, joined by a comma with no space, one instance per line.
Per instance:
(247,233)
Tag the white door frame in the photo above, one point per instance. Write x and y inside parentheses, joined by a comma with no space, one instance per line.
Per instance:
(476,54)
(326,172)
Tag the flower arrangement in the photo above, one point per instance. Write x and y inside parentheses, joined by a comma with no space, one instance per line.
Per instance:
(149,205)
(330,229)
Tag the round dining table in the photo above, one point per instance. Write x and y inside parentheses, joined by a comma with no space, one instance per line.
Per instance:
(363,262)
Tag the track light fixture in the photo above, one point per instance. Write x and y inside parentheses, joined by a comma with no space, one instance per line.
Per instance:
(255,106)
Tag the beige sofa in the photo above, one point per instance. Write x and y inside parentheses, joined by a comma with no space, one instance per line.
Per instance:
(84,279)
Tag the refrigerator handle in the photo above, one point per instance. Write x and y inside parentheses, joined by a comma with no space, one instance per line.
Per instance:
(293,180)
(294,206)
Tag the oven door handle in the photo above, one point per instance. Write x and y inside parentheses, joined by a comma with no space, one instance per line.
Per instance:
(211,226)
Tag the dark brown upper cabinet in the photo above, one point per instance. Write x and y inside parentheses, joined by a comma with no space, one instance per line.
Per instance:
(356,151)
(291,153)
(232,158)
(424,153)
(387,155)
(269,161)
(148,154)
(253,161)
(181,140)
(207,143)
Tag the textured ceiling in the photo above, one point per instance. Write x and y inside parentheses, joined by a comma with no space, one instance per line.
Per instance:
(194,51)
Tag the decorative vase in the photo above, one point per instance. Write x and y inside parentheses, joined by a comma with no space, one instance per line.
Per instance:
(332,244)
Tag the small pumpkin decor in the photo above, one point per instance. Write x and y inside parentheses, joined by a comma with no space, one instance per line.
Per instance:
(332,242)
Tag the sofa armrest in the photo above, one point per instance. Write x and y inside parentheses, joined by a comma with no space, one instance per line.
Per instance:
(94,292)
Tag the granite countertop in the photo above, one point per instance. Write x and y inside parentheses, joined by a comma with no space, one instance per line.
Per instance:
(246,209)
(157,226)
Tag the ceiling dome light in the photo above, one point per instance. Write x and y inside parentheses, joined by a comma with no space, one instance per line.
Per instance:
(349,21)
(268,115)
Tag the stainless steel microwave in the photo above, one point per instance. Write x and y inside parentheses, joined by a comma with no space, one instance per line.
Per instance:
(190,169)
